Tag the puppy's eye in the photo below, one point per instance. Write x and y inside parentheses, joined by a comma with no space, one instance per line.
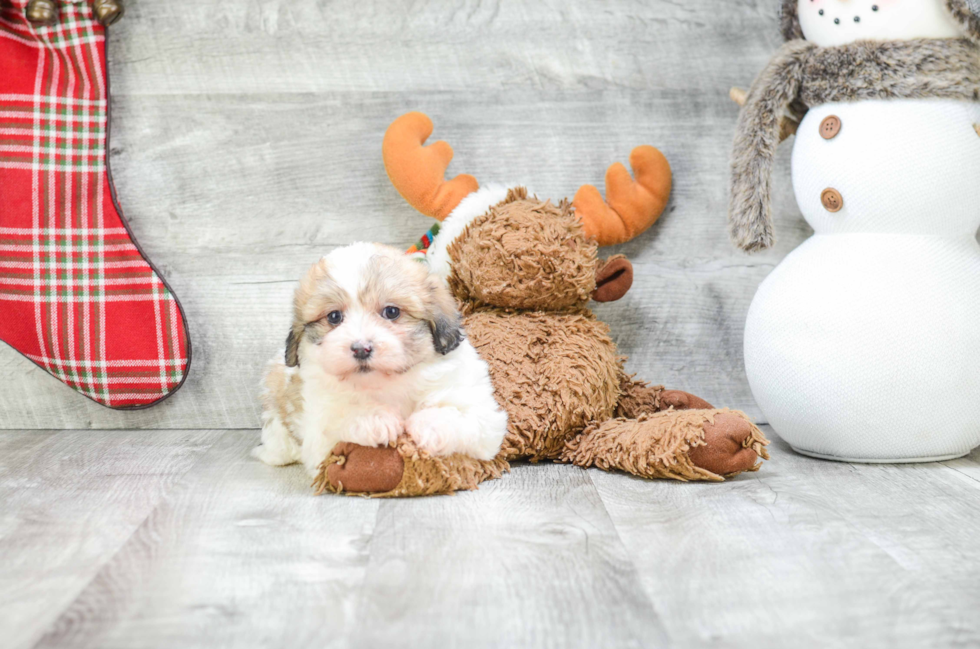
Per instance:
(335,317)
(391,312)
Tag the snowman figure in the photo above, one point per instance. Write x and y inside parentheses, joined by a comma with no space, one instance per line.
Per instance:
(864,343)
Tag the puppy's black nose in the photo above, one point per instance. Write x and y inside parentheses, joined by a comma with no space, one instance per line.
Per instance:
(362,351)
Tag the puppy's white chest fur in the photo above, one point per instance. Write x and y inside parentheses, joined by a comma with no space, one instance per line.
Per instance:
(328,398)
(446,405)
(369,409)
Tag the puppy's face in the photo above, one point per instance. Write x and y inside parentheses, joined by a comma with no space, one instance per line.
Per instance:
(370,309)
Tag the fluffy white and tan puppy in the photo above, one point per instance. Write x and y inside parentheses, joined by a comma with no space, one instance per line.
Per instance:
(375,350)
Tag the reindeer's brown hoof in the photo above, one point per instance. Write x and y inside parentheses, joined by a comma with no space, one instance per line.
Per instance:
(724,451)
(365,469)
(108,11)
(682,401)
(42,12)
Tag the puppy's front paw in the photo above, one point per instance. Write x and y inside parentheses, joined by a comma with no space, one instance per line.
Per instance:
(432,431)
(272,455)
(377,429)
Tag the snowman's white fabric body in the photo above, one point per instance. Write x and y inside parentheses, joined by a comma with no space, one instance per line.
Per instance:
(864,343)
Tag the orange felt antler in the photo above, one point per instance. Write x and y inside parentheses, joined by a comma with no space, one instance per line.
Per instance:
(633,206)
(418,172)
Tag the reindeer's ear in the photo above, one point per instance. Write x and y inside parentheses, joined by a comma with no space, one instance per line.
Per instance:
(613,279)
(442,317)
(292,347)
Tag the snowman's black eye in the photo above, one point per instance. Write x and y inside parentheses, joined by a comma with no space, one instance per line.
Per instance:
(836,21)
(857,19)
(874,7)
(820,12)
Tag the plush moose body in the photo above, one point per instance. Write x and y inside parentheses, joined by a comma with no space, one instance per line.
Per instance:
(523,271)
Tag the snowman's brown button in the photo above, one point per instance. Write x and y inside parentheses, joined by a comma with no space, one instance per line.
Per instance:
(832,200)
(830,127)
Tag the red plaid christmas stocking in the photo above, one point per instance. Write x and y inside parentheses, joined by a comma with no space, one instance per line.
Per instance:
(77,296)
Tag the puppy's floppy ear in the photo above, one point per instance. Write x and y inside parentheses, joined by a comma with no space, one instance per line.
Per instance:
(292,346)
(442,317)
(446,334)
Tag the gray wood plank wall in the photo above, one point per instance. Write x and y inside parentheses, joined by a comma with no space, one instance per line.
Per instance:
(246,143)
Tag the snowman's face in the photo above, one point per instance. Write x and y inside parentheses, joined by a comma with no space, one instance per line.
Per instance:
(837,22)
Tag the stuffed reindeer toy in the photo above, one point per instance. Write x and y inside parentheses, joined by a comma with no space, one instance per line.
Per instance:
(523,271)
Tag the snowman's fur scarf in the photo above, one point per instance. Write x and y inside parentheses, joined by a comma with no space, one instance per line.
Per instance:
(967,12)
(756,139)
(789,20)
(803,75)
(961,10)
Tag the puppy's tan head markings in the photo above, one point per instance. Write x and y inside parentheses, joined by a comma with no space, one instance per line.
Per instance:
(317,295)
(369,308)
(292,348)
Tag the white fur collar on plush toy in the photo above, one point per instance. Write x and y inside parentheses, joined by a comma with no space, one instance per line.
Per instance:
(474,205)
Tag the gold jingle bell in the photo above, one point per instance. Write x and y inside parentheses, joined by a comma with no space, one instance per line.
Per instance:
(41,12)
(108,11)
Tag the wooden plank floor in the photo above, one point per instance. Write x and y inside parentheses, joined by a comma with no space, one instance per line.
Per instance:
(179,539)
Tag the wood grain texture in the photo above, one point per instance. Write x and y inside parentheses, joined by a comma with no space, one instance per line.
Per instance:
(241,554)
(68,502)
(238,554)
(109,540)
(451,572)
(246,144)
(810,553)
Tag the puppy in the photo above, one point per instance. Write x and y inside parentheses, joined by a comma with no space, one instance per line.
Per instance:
(375,350)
